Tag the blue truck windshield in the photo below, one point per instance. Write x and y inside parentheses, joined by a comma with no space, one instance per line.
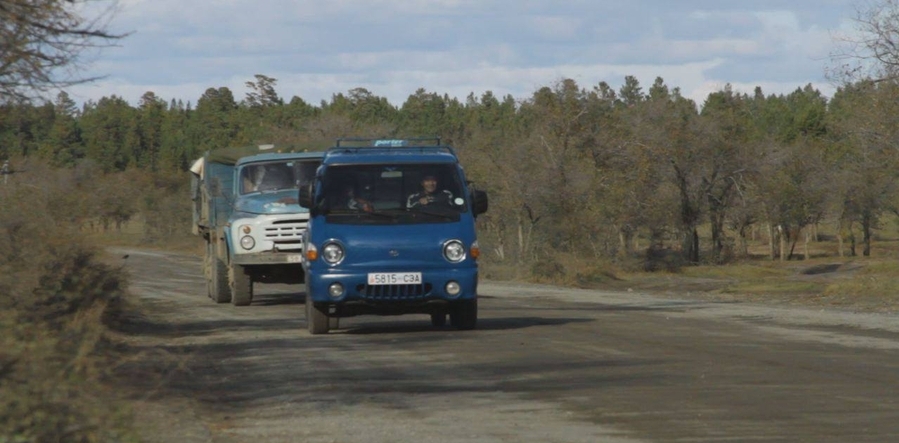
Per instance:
(403,193)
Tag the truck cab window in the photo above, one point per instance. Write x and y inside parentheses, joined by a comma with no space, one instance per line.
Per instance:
(267,177)
(408,191)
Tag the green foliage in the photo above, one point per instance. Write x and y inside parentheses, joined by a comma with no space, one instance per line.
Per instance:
(591,171)
(110,133)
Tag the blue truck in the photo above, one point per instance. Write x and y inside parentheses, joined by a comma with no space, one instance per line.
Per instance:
(391,231)
(246,211)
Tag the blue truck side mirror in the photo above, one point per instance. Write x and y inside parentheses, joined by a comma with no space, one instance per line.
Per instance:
(305,196)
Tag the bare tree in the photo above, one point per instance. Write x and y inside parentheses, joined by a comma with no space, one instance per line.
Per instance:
(873,52)
(42,43)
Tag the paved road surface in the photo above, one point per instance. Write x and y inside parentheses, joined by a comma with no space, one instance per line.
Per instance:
(545,365)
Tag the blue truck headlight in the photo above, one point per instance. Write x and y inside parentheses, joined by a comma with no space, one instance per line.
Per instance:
(332,253)
(453,251)
(247,242)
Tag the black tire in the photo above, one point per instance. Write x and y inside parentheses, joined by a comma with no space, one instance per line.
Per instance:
(241,285)
(316,318)
(207,268)
(438,320)
(464,314)
(217,278)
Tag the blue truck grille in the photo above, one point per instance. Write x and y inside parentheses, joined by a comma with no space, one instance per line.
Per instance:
(394,292)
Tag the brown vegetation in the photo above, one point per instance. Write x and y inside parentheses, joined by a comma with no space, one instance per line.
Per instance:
(62,298)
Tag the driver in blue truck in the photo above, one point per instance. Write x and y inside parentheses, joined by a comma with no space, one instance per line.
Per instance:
(429,194)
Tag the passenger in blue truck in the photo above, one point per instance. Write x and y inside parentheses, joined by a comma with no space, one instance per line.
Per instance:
(349,200)
(429,195)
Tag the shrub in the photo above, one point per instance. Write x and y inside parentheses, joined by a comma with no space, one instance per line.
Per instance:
(56,294)
(660,258)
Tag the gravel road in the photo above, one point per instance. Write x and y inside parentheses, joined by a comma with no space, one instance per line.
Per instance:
(546,364)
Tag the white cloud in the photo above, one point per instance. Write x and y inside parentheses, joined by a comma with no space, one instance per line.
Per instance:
(393,47)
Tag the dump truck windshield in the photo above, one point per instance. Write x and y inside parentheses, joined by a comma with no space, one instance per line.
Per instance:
(276,176)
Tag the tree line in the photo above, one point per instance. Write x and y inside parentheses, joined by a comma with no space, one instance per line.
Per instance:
(588,171)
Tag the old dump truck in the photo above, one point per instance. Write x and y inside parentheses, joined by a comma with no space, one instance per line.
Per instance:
(245,209)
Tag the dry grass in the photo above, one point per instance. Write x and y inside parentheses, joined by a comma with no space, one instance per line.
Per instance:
(59,302)
(869,284)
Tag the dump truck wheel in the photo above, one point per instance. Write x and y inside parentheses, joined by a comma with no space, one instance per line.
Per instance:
(219,289)
(241,285)
(207,268)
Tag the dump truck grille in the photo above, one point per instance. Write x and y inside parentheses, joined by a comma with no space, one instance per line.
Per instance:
(287,235)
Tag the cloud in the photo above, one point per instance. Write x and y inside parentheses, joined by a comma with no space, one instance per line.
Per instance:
(393,47)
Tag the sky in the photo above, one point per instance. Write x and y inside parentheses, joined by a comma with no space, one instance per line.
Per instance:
(316,49)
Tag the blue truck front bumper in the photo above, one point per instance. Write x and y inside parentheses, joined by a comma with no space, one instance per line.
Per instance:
(393,298)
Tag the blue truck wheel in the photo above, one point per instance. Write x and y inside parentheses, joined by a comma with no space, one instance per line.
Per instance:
(464,314)
(316,318)
(438,320)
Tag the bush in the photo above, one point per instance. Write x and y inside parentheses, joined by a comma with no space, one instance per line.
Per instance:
(57,296)
(660,258)
(548,270)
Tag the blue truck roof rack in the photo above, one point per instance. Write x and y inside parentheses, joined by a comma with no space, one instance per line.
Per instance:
(356,145)
(354,142)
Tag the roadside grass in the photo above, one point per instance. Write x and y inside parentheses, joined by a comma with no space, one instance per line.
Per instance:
(134,234)
(880,277)
(824,279)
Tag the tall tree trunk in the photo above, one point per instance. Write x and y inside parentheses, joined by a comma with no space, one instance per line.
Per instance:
(867,221)
(808,237)
(840,236)
(521,249)
(717,222)
(772,251)
(782,235)
(691,245)
(744,242)
(689,218)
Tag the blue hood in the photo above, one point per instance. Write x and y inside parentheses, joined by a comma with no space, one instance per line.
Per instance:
(277,202)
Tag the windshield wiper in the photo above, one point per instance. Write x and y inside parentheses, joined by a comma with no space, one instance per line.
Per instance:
(361,214)
(379,214)
(272,191)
